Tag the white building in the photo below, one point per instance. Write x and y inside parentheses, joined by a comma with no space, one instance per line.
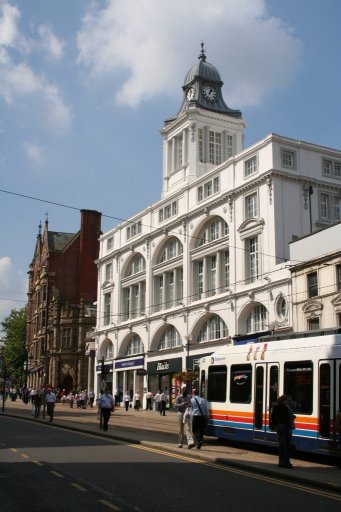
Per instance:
(207,264)
(316,280)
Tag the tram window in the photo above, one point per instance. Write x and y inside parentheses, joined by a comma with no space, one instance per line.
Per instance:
(202,383)
(216,384)
(298,383)
(241,383)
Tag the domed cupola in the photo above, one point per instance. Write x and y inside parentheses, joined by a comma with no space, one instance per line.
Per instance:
(203,88)
(203,70)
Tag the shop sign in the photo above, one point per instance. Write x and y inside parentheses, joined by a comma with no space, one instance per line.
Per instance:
(129,363)
(166,366)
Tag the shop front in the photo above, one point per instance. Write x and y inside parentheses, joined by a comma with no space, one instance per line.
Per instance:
(104,373)
(161,376)
(130,374)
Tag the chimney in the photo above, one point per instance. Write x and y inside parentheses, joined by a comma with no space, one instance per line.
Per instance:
(89,252)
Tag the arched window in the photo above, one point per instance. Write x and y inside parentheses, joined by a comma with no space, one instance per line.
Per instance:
(169,339)
(168,280)
(137,265)
(213,230)
(211,265)
(134,289)
(172,249)
(257,319)
(215,328)
(135,346)
(107,349)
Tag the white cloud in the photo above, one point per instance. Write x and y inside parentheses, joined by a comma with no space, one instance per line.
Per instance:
(8,25)
(19,80)
(50,43)
(35,153)
(155,43)
(13,287)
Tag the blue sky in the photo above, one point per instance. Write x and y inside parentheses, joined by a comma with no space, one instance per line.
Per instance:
(86,85)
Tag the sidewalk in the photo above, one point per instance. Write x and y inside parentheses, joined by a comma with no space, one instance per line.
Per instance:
(151,429)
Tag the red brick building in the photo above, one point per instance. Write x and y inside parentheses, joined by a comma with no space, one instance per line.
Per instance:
(61,293)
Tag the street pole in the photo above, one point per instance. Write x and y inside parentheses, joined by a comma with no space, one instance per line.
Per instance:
(4,389)
(102,380)
(311,191)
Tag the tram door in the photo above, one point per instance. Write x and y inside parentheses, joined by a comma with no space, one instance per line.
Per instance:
(266,394)
(329,400)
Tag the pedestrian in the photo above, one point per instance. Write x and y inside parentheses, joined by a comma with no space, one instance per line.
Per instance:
(282,419)
(50,400)
(149,396)
(91,398)
(181,404)
(200,417)
(164,399)
(37,403)
(117,397)
(106,407)
(137,403)
(188,421)
(158,401)
(126,400)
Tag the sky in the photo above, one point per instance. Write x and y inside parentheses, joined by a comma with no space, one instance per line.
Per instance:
(85,86)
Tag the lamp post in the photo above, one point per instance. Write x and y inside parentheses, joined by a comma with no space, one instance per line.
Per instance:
(3,371)
(188,341)
(310,192)
(102,390)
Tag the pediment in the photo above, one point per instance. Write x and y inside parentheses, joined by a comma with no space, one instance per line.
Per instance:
(337,300)
(251,227)
(108,284)
(311,306)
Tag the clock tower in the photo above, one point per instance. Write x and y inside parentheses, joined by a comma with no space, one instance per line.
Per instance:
(204,133)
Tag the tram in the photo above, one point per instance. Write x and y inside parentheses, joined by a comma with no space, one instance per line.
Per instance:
(241,383)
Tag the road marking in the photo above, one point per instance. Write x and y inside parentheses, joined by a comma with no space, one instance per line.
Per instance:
(109,505)
(37,462)
(55,473)
(24,456)
(13,449)
(164,452)
(78,487)
(230,469)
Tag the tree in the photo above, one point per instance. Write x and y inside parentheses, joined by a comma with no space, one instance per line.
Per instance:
(14,350)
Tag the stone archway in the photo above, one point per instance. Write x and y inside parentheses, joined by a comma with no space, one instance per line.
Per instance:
(68,384)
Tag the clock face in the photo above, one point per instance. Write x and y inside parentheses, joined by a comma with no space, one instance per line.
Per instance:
(190,94)
(209,92)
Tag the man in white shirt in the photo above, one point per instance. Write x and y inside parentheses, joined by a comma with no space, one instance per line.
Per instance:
(200,417)
(50,400)
(106,406)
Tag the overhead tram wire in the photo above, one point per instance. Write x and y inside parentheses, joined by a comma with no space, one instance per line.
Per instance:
(120,219)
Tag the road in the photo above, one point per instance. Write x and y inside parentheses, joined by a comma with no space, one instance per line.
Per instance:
(43,468)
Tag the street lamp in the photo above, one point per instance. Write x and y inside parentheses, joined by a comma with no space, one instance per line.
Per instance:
(188,342)
(103,375)
(3,372)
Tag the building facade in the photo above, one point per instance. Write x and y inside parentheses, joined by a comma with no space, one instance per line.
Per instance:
(316,280)
(207,264)
(61,295)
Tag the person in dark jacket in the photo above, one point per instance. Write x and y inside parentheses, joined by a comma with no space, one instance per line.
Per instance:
(282,419)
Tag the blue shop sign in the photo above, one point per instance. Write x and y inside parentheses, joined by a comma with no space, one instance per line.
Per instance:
(129,363)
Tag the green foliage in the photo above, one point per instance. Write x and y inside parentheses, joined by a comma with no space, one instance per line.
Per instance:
(14,350)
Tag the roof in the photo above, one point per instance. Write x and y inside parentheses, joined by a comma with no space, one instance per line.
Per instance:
(57,241)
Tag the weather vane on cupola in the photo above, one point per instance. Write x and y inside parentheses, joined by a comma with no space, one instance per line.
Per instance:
(202,55)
